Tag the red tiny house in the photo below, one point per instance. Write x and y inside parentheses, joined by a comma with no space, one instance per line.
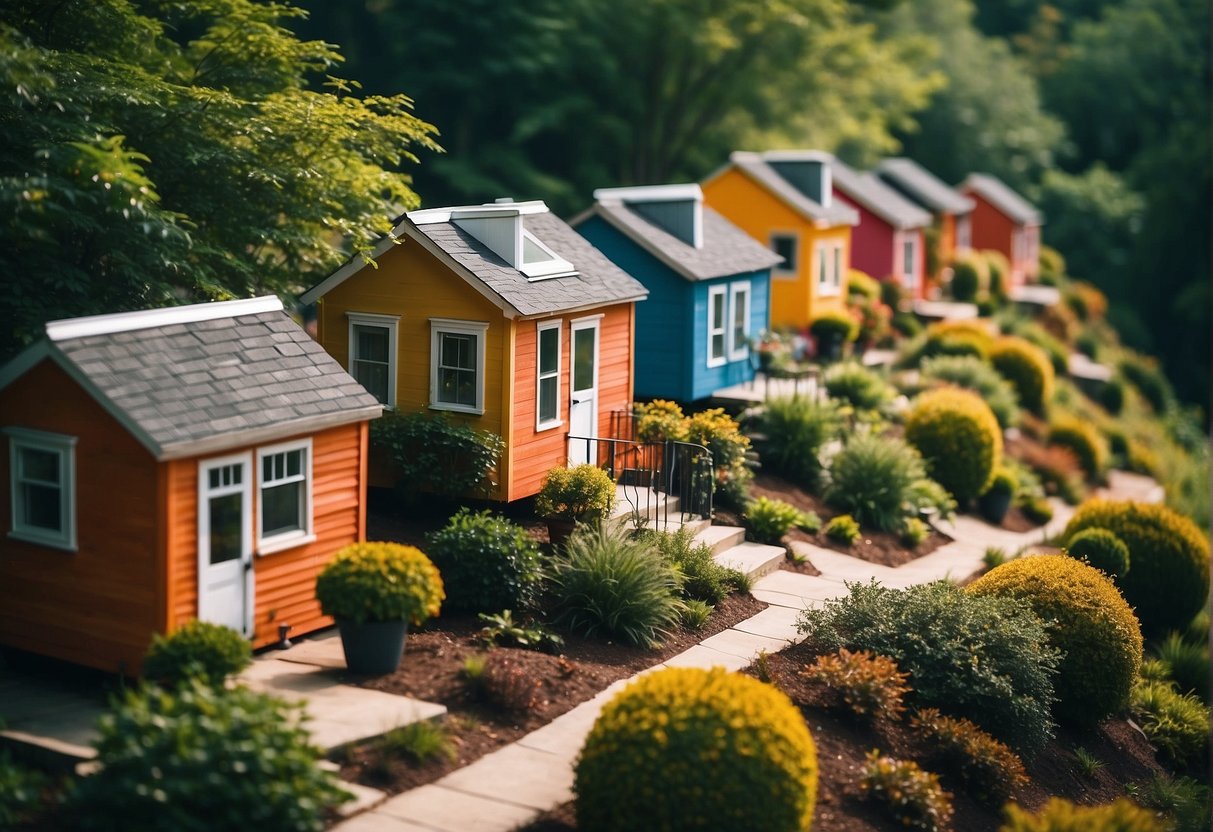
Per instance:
(1004,221)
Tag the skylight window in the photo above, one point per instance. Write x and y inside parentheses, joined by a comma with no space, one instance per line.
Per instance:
(539,262)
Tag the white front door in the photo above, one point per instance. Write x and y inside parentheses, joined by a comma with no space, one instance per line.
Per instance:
(583,392)
(225,542)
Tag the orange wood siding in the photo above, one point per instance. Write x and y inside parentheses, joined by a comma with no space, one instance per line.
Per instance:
(284,582)
(96,606)
(534,452)
(946,247)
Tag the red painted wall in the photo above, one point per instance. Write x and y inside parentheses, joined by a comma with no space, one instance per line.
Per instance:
(876,247)
(994,230)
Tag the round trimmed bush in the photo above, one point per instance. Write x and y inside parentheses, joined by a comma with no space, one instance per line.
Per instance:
(972,373)
(1168,579)
(204,758)
(958,437)
(1028,369)
(1102,549)
(861,387)
(1112,396)
(1086,619)
(1084,440)
(376,581)
(684,748)
(1060,815)
(958,338)
(197,649)
(969,276)
(488,564)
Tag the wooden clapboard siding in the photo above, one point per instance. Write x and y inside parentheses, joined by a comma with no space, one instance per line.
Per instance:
(98,605)
(284,582)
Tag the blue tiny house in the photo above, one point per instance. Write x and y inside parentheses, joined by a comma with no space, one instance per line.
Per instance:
(709,287)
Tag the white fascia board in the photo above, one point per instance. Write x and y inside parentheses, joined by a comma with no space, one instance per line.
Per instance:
(651,193)
(796,156)
(150,318)
(427,216)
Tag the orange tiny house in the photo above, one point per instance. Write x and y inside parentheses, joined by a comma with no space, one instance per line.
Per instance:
(200,461)
(500,316)
(951,209)
(1004,221)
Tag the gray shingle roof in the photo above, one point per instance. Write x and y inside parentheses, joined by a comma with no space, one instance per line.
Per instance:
(994,191)
(186,385)
(757,168)
(877,197)
(597,282)
(726,249)
(922,186)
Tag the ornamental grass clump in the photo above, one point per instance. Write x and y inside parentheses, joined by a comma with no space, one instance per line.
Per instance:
(370,581)
(869,686)
(860,387)
(795,431)
(972,373)
(487,563)
(702,578)
(1168,578)
(958,437)
(197,649)
(913,797)
(690,749)
(1087,621)
(874,478)
(960,749)
(1177,724)
(981,657)
(770,519)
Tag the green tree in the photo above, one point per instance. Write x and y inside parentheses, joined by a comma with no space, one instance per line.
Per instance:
(157,152)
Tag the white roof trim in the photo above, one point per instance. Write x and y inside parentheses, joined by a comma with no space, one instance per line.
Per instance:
(150,318)
(650,193)
(796,156)
(426,216)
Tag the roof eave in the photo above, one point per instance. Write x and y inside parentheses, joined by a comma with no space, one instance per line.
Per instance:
(255,436)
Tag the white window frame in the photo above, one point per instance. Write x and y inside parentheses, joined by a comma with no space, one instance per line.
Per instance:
(721,327)
(739,350)
(782,270)
(909,269)
(838,269)
(64,447)
(392,324)
(298,537)
(479,329)
(829,269)
(540,328)
(964,233)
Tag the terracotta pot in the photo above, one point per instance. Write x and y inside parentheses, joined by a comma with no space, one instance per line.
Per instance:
(373,648)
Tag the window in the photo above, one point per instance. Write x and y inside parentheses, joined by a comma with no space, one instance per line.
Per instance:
(373,354)
(785,245)
(963,241)
(837,268)
(739,316)
(547,360)
(829,269)
(42,474)
(909,267)
(285,496)
(457,365)
(716,325)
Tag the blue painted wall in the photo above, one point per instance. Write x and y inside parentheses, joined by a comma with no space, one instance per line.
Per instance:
(671,360)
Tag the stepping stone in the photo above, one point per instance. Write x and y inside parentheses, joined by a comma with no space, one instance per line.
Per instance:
(773,622)
(754,559)
(438,809)
(516,775)
(720,538)
(744,645)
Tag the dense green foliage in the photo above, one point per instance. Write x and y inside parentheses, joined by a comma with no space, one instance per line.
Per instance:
(862,388)
(843,529)
(874,478)
(974,374)
(1084,440)
(959,439)
(201,757)
(1176,723)
(1168,578)
(487,563)
(432,454)
(197,649)
(988,768)
(795,429)
(702,578)
(769,520)
(980,657)
(1101,549)
(1028,370)
(380,582)
(20,790)
(690,749)
(1087,621)
(584,493)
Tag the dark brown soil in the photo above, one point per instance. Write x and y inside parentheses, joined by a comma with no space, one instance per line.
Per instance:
(842,743)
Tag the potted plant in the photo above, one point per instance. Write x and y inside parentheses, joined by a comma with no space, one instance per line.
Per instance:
(582,494)
(832,332)
(374,591)
(995,502)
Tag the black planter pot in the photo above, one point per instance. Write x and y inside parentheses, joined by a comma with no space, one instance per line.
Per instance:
(559,530)
(994,506)
(373,648)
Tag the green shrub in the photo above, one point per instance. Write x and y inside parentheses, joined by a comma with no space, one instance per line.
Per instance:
(418,742)
(380,582)
(432,454)
(1038,510)
(959,439)
(1101,549)
(914,532)
(809,522)
(834,327)
(487,562)
(1187,663)
(703,579)
(1036,335)
(956,746)
(695,614)
(861,284)
(912,796)
(503,629)
(957,338)
(1085,441)
(769,520)
(1185,803)
(873,478)
(980,657)
(1168,579)
(1060,815)
(1144,374)
(1177,724)
(999,270)
(795,430)
(1112,396)
(871,687)
(689,749)
(1087,343)
(843,529)
(1028,370)
(974,374)
(721,435)
(1052,264)
(584,493)
(907,324)
(202,757)
(197,649)
(969,278)
(20,791)
(1087,621)
(659,420)
(1003,481)
(611,584)
(854,383)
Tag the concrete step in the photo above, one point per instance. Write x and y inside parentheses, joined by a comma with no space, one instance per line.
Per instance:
(754,559)
(720,538)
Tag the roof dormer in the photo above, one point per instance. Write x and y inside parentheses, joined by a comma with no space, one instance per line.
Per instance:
(675,209)
(807,171)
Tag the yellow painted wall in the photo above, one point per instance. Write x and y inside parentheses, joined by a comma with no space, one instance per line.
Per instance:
(795,300)
(412,283)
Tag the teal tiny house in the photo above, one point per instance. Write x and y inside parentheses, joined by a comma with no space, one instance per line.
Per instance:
(708,281)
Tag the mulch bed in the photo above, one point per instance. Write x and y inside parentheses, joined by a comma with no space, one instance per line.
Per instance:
(842,743)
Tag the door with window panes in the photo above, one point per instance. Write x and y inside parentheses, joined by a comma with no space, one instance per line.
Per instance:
(225,542)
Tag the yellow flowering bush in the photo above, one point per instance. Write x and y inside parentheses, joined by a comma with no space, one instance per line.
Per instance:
(380,582)
(1060,815)
(1028,369)
(958,436)
(690,749)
